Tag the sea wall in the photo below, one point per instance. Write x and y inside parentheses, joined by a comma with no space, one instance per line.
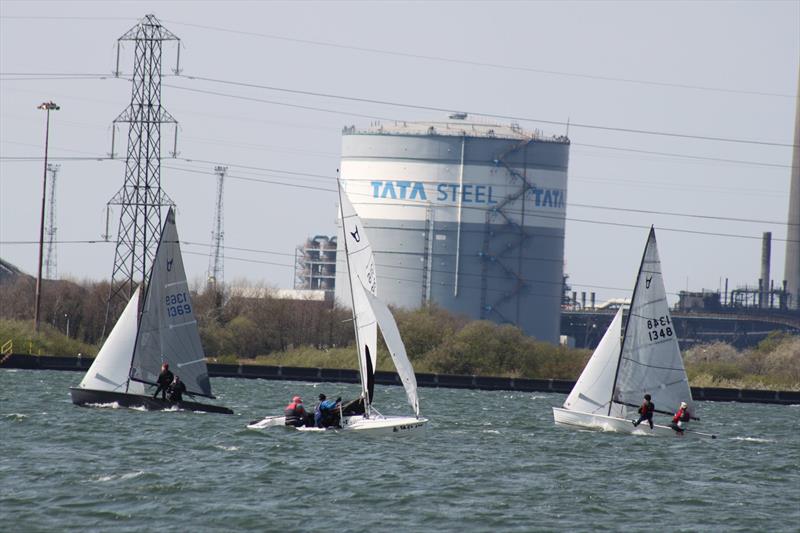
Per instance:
(216,370)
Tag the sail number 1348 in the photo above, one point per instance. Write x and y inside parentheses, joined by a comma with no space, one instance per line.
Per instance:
(659,328)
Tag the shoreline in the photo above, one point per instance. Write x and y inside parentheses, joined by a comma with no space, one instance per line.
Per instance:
(341,375)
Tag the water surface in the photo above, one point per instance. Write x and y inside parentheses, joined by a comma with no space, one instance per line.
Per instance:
(488,461)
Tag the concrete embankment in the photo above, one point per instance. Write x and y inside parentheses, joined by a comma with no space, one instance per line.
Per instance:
(81,364)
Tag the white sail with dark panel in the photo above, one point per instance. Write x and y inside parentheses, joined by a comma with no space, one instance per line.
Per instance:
(361,269)
(369,312)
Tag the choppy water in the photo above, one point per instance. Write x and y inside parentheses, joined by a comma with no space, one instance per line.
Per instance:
(488,461)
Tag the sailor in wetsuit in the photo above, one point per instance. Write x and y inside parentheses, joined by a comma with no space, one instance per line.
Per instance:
(176,390)
(164,381)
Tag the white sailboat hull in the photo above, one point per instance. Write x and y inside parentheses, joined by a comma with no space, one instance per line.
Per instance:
(565,417)
(378,424)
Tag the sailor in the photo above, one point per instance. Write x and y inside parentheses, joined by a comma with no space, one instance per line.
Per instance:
(164,380)
(325,413)
(681,419)
(295,413)
(176,390)
(646,411)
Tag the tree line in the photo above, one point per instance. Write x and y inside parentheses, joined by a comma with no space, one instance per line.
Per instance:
(234,326)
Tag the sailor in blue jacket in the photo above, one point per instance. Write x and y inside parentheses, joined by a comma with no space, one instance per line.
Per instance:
(325,411)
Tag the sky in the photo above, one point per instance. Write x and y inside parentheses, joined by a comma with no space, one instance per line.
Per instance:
(681,115)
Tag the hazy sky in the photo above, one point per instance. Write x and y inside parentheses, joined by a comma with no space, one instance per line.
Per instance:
(724,70)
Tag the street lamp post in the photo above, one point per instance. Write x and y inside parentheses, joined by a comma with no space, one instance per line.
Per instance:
(47,106)
(66,315)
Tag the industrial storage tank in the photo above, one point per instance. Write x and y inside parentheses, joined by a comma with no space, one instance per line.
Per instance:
(468,216)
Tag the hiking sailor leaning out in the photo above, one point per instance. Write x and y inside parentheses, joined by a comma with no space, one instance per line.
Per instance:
(681,418)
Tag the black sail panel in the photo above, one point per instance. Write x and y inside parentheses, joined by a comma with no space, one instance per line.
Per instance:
(370,375)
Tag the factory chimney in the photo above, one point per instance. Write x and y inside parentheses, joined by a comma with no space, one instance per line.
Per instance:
(766,248)
(792,270)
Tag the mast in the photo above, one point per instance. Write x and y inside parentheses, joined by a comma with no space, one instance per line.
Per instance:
(630,312)
(361,368)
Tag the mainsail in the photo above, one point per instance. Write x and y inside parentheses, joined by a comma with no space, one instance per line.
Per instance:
(592,391)
(396,347)
(109,370)
(361,270)
(167,327)
(650,360)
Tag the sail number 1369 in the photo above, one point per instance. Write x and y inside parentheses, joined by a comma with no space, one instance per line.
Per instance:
(659,328)
(178,304)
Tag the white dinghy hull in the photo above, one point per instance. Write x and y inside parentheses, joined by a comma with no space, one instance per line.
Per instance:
(565,417)
(379,424)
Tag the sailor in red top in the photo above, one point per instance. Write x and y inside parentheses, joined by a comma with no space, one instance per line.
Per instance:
(681,418)
(295,413)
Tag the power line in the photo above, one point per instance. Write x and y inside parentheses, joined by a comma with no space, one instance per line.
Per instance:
(325,177)
(490,115)
(376,117)
(274,102)
(682,156)
(54,17)
(381,265)
(474,63)
(467,62)
(52,78)
(512,211)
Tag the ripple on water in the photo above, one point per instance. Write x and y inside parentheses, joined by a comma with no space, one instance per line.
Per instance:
(78,469)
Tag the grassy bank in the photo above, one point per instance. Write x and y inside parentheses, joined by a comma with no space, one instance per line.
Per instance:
(48,341)
(774,364)
(436,343)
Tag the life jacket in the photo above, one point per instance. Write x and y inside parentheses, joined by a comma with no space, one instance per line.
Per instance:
(681,416)
(647,408)
(294,413)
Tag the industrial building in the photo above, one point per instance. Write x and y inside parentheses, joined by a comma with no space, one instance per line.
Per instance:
(315,265)
(469,216)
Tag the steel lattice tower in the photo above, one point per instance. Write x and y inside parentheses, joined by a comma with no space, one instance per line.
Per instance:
(216,262)
(141,198)
(51,259)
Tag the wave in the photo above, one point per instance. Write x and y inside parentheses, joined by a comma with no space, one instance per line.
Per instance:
(110,405)
(16,417)
(226,448)
(752,439)
(120,477)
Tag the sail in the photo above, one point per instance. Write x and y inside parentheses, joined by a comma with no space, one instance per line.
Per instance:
(109,370)
(650,361)
(592,391)
(167,328)
(396,347)
(361,270)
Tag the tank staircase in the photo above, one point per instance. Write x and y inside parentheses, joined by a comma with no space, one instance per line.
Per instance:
(502,257)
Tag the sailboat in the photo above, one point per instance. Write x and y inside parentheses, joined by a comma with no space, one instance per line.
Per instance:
(369,313)
(645,359)
(157,326)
